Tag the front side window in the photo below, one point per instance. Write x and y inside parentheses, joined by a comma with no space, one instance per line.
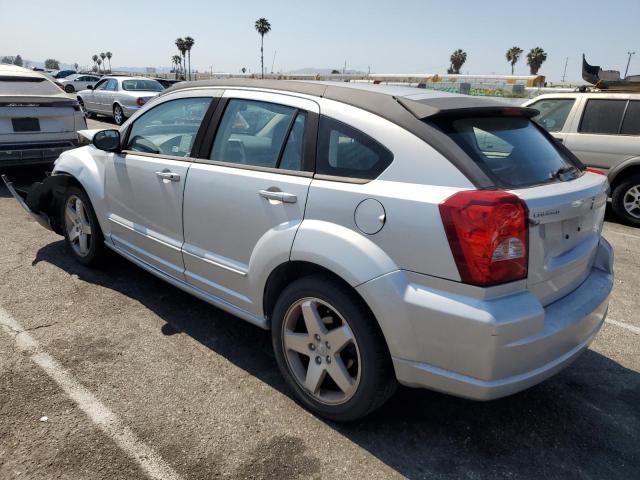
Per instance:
(510,149)
(101,85)
(344,151)
(112,85)
(553,112)
(254,133)
(142,86)
(602,116)
(170,128)
(631,122)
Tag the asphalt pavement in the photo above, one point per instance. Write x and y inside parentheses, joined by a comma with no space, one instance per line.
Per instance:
(113,374)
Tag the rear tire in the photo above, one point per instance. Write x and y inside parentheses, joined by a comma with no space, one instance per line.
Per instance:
(118,114)
(341,371)
(69,88)
(625,201)
(82,232)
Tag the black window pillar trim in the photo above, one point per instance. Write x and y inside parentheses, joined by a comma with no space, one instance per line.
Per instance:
(210,129)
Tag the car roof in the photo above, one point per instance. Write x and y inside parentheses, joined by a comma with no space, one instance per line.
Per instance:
(389,101)
(599,94)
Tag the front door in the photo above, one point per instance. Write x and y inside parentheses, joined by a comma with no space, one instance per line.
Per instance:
(244,204)
(145,183)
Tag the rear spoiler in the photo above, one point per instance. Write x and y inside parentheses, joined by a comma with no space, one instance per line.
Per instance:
(463,107)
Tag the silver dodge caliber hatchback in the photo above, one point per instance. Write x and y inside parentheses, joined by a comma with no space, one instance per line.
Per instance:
(383,234)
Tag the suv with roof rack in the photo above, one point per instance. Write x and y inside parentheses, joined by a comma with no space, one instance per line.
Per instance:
(384,234)
(602,128)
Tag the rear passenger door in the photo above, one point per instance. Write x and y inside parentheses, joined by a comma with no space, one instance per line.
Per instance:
(606,134)
(245,197)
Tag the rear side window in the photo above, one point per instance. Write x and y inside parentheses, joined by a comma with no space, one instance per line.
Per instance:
(631,122)
(344,151)
(602,116)
(511,150)
(260,134)
(142,86)
(553,112)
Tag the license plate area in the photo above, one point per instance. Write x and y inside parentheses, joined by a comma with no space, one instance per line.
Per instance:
(25,125)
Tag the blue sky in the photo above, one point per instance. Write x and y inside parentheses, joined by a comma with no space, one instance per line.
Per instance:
(389,36)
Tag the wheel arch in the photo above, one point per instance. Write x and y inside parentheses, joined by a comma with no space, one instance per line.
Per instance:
(622,171)
(288,272)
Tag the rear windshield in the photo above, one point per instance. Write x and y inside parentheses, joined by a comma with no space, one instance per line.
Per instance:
(13,85)
(142,85)
(511,150)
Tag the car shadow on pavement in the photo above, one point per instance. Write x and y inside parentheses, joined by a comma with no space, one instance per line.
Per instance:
(584,422)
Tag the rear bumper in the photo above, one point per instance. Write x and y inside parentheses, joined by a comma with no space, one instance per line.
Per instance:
(33,153)
(487,348)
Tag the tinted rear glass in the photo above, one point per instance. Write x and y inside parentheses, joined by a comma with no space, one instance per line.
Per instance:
(631,123)
(602,116)
(511,150)
(11,85)
(142,85)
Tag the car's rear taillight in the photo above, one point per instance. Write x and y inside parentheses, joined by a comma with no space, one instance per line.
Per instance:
(487,233)
(140,101)
(595,170)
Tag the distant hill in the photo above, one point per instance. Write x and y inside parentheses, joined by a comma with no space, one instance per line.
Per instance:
(322,71)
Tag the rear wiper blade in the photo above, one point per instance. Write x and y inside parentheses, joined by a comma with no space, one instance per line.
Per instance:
(564,173)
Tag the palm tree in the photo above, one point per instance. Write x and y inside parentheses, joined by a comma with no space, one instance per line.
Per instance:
(457,59)
(535,58)
(76,66)
(513,55)
(176,60)
(109,55)
(188,44)
(182,48)
(243,70)
(104,64)
(263,27)
(99,62)
(95,60)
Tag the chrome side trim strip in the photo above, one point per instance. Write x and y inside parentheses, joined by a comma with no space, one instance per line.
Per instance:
(242,273)
(146,235)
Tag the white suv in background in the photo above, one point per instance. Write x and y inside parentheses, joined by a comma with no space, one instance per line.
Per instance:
(603,131)
(38,121)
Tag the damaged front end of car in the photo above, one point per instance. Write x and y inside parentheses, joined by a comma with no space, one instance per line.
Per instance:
(42,200)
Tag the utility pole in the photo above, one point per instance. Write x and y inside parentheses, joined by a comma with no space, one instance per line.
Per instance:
(344,69)
(564,75)
(274,60)
(628,62)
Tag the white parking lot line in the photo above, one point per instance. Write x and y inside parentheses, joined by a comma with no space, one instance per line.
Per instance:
(150,462)
(631,328)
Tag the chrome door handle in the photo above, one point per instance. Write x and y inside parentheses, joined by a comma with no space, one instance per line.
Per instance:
(279,196)
(174,177)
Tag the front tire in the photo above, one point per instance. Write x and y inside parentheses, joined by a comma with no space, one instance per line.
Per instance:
(81,229)
(330,350)
(118,114)
(69,88)
(625,200)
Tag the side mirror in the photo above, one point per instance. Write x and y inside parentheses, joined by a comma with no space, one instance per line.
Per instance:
(89,87)
(107,140)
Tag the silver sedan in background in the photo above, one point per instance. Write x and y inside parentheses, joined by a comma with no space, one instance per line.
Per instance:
(118,97)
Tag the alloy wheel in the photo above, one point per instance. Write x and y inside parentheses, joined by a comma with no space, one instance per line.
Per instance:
(77,225)
(321,351)
(631,201)
(118,116)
